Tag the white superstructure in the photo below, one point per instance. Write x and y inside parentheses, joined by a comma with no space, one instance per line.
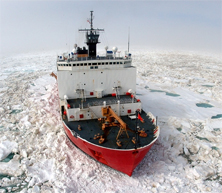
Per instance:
(94,76)
(86,81)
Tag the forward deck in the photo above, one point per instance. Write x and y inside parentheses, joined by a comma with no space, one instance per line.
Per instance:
(92,127)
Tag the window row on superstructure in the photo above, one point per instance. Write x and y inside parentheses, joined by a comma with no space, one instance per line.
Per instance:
(95,63)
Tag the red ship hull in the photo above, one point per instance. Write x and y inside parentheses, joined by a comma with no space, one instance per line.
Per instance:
(123,160)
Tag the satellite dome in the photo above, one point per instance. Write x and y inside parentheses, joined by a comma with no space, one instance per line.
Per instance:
(115,49)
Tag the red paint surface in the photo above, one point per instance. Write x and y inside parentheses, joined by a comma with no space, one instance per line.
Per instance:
(122,160)
(128,94)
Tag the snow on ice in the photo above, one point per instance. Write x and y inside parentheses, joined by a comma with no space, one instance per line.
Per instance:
(183,89)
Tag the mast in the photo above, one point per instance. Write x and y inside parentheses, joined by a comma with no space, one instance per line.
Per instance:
(92,37)
(128,39)
(91,20)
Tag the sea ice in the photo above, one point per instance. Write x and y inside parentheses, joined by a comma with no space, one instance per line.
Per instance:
(185,158)
(6,147)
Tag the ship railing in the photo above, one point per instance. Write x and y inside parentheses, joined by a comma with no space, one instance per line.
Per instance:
(97,58)
(109,102)
(91,58)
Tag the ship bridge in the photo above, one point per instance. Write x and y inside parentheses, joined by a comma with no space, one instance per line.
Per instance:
(93,63)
